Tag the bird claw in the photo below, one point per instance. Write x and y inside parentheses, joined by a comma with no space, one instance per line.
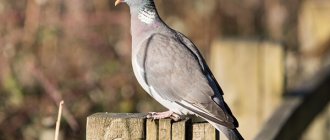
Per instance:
(176,117)
(163,115)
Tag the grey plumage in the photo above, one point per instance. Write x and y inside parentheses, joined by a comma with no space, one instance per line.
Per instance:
(172,70)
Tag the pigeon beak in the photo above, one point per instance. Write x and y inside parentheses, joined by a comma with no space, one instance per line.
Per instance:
(119,1)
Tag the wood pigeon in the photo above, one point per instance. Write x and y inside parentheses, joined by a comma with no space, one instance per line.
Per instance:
(171,69)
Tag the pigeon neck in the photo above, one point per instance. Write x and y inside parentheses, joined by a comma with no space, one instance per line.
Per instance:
(144,21)
(147,13)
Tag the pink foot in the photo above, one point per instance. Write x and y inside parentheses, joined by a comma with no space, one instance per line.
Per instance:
(163,115)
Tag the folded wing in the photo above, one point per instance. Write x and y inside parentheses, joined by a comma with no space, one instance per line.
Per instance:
(178,74)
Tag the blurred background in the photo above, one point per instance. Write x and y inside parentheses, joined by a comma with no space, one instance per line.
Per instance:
(79,51)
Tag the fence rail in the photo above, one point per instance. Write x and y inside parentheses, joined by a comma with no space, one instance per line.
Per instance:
(135,126)
(299,108)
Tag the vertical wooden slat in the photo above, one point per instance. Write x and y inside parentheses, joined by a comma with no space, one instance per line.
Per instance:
(272,77)
(235,65)
(251,75)
(179,131)
(203,131)
(165,129)
(211,132)
(198,131)
(152,129)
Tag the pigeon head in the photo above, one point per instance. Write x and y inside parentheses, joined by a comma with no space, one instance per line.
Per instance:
(135,3)
(143,10)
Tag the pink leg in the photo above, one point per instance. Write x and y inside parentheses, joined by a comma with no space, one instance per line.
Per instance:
(163,115)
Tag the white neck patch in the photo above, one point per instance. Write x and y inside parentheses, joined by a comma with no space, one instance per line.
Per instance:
(147,16)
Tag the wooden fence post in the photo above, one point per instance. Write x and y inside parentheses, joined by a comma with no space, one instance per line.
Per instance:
(109,126)
(124,126)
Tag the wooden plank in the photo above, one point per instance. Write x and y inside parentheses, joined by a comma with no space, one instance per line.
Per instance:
(152,129)
(210,132)
(251,74)
(179,131)
(109,126)
(272,75)
(235,64)
(165,129)
(204,131)
(198,131)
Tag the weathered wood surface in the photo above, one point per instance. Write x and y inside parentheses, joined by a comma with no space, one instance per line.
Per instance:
(109,126)
(180,129)
(152,130)
(165,129)
(204,131)
(298,110)
(251,74)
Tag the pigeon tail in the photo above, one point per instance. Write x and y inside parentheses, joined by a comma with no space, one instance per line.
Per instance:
(231,134)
